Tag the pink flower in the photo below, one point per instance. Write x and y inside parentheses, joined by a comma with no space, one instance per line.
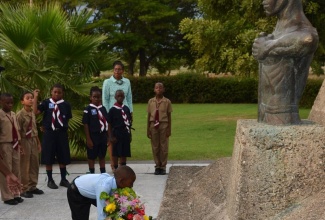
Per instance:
(137,217)
(122,199)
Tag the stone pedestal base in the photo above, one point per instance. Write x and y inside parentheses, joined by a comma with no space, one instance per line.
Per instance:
(273,167)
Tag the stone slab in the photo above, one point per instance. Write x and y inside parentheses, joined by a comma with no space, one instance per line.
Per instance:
(194,192)
(274,167)
(275,173)
(317,113)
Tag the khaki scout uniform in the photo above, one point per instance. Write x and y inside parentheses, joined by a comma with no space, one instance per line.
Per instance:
(29,161)
(9,156)
(159,141)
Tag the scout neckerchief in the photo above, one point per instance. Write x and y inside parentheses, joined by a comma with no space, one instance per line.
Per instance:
(102,120)
(56,113)
(156,124)
(124,116)
(14,133)
(29,128)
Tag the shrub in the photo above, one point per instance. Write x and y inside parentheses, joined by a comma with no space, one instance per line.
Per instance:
(198,88)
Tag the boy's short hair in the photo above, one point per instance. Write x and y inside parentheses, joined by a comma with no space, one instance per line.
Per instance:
(57,85)
(119,90)
(124,172)
(95,89)
(160,83)
(24,93)
(5,95)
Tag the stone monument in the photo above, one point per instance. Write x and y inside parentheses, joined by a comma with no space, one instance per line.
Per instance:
(284,59)
(277,166)
(317,113)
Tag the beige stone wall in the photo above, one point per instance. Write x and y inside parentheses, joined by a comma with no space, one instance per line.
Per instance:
(273,168)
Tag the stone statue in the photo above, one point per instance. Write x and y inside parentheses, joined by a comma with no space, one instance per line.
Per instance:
(284,59)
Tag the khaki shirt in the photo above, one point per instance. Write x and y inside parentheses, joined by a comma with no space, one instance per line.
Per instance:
(6,120)
(164,107)
(23,119)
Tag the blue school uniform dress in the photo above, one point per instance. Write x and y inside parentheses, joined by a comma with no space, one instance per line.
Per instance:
(55,143)
(120,130)
(96,118)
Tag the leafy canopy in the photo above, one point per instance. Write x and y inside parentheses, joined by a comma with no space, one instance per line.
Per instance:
(222,37)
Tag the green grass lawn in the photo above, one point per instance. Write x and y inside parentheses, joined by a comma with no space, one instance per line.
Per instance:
(199,131)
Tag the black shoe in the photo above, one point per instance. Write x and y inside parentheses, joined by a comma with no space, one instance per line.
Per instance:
(11,202)
(162,172)
(36,191)
(19,199)
(65,183)
(157,171)
(51,184)
(27,194)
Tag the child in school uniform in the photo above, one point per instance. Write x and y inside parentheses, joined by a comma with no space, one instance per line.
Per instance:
(55,143)
(9,147)
(96,129)
(159,127)
(119,126)
(29,161)
(13,182)
(85,191)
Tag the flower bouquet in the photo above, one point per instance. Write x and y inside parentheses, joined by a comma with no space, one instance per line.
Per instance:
(124,204)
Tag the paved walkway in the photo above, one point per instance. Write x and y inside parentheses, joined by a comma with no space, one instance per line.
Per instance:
(53,205)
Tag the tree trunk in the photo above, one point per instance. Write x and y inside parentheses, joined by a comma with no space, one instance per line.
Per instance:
(131,62)
(143,66)
(131,68)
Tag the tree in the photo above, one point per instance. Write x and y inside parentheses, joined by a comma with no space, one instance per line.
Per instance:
(222,37)
(41,45)
(315,11)
(142,29)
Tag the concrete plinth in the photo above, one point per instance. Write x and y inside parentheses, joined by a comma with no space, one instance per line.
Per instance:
(273,168)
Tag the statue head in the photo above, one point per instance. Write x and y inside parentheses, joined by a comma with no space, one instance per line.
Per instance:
(273,7)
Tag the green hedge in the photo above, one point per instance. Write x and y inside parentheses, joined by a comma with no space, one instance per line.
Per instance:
(310,92)
(195,88)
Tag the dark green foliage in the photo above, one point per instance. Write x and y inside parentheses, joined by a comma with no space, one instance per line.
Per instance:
(310,93)
(195,88)
(222,37)
(143,30)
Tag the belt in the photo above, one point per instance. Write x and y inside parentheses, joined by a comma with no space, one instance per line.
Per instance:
(74,187)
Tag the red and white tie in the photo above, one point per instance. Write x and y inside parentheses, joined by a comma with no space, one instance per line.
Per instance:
(102,120)
(125,117)
(156,124)
(56,113)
